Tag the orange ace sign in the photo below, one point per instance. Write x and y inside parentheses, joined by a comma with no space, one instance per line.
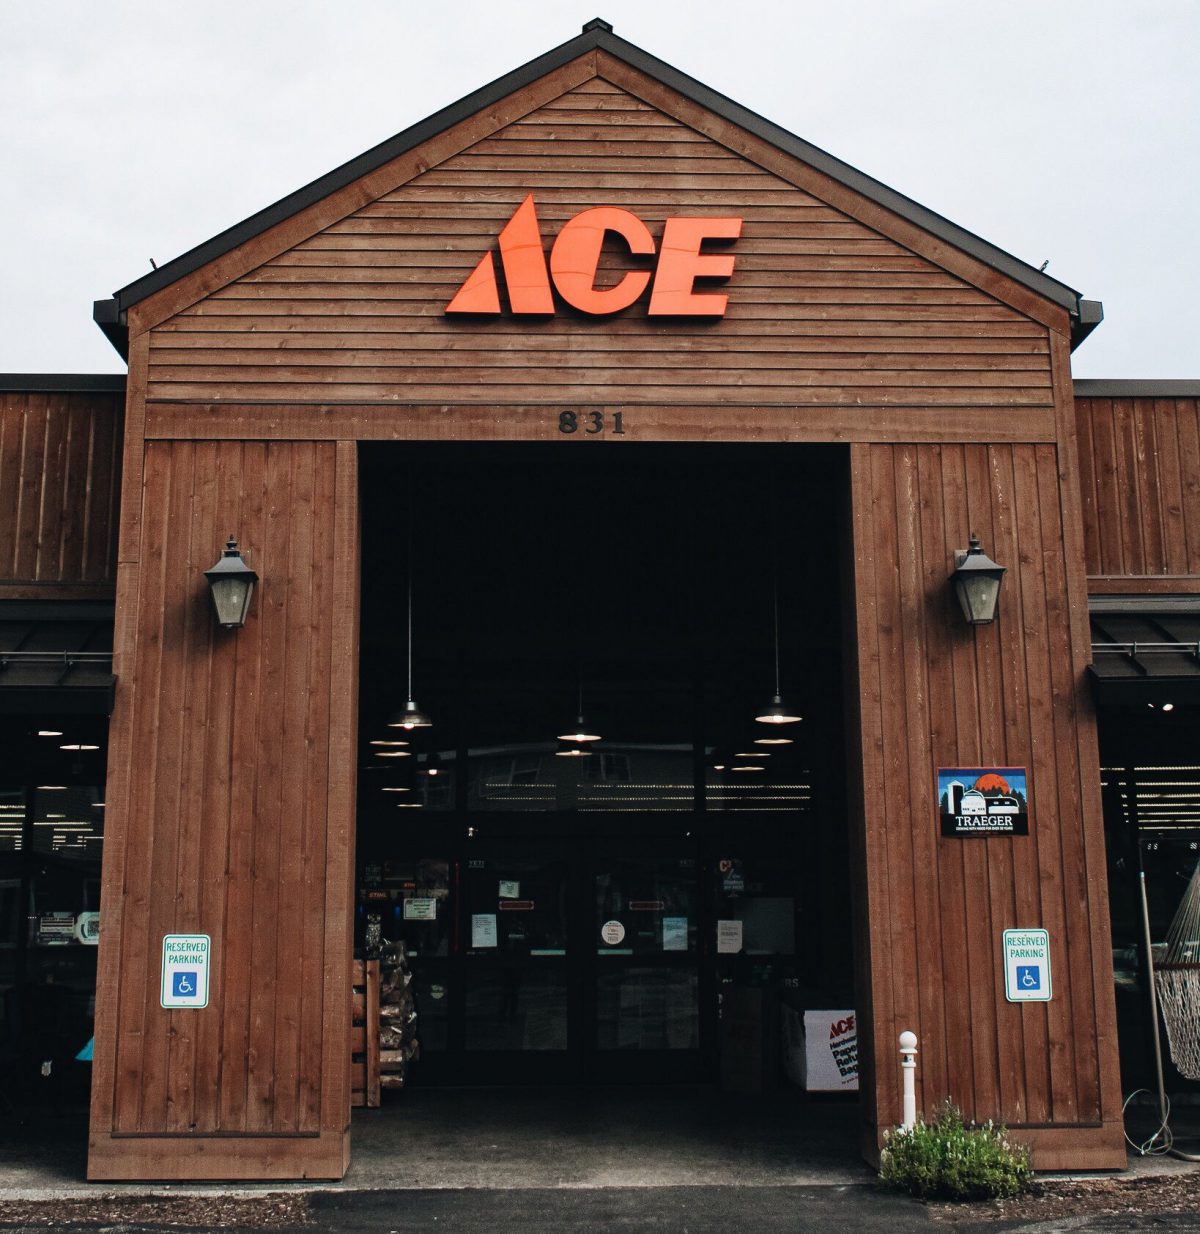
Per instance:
(575,256)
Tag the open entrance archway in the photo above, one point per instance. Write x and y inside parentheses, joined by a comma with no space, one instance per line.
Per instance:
(663,899)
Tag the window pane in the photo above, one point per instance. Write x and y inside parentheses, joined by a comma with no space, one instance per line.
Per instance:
(516,907)
(647,1009)
(518,1007)
(646,907)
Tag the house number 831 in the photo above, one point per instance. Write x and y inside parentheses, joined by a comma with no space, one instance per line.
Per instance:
(590,422)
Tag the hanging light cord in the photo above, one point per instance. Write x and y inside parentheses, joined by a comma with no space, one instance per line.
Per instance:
(776,605)
(775,573)
(410,576)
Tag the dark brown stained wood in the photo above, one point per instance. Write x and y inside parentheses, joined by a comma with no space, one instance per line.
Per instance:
(60,476)
(935,693)
(510,422)
(862,716)
(1079,749)
(825,308)
(120,775)
(337,953)
(232,824)
(969,957)
(1139,482)
(253,379)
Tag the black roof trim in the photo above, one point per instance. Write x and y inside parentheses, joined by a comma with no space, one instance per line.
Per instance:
(1090,315)
(108,316)
(57,610)
(1103,387)
(1145,654)
(597,35)
(62,383)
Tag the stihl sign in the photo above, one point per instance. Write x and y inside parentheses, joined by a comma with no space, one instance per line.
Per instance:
(576,254)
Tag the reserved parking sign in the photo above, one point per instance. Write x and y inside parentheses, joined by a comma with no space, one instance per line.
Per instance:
(185,971)
(1027,966)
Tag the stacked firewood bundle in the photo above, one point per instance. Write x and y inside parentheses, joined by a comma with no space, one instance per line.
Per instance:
(398,1044)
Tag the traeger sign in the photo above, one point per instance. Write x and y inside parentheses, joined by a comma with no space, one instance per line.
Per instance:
(983,801)
(575,257)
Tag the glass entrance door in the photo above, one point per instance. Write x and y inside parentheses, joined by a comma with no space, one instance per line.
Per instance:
(644,988)
(560,961)
(516,943)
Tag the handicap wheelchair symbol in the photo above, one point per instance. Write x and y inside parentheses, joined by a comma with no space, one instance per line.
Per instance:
(183,983)
(1029,976)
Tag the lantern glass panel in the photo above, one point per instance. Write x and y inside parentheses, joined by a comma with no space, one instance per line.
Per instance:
(978,594)
(231,599)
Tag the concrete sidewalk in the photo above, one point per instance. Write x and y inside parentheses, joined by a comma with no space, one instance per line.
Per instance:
(448,1139)
(508,1139)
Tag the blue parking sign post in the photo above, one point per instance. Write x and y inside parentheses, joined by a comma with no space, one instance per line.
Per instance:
(1027,966)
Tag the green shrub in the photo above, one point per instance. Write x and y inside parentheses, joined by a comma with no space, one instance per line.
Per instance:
(946,1159)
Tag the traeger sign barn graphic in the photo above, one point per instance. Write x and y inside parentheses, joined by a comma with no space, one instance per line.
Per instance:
(983,801)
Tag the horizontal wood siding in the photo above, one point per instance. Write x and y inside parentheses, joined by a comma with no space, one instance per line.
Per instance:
(236,820)
(1140,480)
(934,692)
(822,309)
(59,487)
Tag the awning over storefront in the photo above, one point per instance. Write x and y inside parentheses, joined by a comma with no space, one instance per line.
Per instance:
(56,658)
(1145,650)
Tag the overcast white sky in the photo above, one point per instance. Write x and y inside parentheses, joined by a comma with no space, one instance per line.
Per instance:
(1060,129)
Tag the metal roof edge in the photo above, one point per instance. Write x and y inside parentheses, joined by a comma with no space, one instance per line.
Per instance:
(62,383)
(1105,387)
(108,316)
(1091,314)
(1125,604)
(597,35)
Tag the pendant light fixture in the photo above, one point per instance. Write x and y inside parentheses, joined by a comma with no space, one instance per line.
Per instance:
(776,711)
(411,716)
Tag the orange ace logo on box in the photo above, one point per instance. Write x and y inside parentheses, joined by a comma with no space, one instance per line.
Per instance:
(574,259)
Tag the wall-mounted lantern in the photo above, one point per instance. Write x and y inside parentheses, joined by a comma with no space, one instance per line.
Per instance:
(977,583)
(231,582)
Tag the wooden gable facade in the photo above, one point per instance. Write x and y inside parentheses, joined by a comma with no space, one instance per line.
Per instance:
(257,369)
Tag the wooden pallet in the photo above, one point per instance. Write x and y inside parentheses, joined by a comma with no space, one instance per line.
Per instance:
(364,1034)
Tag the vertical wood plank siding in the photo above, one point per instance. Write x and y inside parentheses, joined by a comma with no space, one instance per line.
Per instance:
(1140,479)
(232,757)
(936,693)
(230,809)
(59,486)
(823,310)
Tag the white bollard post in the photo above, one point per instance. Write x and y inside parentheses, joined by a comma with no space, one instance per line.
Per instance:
(908,1069)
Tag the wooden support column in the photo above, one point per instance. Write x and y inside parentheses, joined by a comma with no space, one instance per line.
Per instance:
(232,762)
(933,692)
